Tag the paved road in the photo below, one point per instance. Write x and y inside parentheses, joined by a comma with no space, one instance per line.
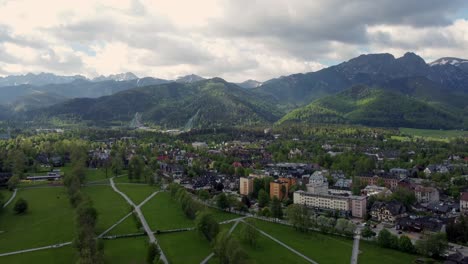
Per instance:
(355,254)
(11,198)
(35,249)
(140,215)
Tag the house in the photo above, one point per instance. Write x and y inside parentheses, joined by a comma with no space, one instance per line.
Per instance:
(464,202)
(388,180)
(388,212)
(420,224)
(426,194)
(371,190)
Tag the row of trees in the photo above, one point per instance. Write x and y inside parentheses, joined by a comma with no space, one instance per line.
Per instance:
(89,250)
(433,245)
(302,220)
(189,206)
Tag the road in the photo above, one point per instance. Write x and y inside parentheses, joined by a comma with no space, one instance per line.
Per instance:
(355,254)
(11,198)
(35,249)
(140,215)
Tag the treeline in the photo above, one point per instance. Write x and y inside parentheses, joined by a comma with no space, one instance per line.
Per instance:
(432,245)
(90,250)
(302,220)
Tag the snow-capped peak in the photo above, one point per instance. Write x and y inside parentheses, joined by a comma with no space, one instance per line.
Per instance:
(448,60)
(117,77)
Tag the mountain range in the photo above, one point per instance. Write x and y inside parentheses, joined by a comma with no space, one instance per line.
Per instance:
(373,89)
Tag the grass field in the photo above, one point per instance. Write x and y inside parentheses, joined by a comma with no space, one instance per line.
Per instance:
(429,134)
(128,226)
(49,220)
(137,192)
(371,253)
(319,247)
(267,251)
(111,207)
(126,250)
(66,254)
(184,247)
(163,213)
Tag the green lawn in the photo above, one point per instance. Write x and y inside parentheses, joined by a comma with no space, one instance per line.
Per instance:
(49,220)
(372,253)
(184,247)
(137,192)
(431,134)
(126,250)
(128,226)
(124,179)
(163,213)
(319,247)
(66,254)
(267,251)
(97,174)
(111,207)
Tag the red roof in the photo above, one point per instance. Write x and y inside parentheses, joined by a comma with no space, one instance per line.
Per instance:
(464,196)
(237,164)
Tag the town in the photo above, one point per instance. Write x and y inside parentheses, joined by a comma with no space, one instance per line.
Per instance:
(402,192)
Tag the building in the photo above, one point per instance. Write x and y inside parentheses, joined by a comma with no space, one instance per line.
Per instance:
(387,180)
(371,190)
(246,185)
(388,212)
(358,206)
(278,189)
(354,205)
(464,202)
(426,194)
(318,184)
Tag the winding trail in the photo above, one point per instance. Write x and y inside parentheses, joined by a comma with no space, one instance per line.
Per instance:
(140,215)
(11,198)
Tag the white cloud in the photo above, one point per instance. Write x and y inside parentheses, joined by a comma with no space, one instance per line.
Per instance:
(235,40)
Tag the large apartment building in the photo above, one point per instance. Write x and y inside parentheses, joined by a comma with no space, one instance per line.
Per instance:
(246,185)
(355,205)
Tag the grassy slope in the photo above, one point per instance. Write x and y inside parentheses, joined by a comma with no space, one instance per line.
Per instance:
(371,253)
(111,207)
(126,250)
(164,213)
(185,247)
(319,247)
(49,220)
(137,192)
(268,251)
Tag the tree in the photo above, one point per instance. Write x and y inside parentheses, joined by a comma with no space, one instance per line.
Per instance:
(276,209)
(433,246)
(222,201)
(367,232)
(116,166)
(263,198)
(299,217)
(135,168)
(386,239)
(203,195)
(207,225)
(249,233)
(13,182)
(21,206)
(228,249)
(153,253)
(405,244)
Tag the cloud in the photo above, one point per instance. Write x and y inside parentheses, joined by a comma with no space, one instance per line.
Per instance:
(236,40)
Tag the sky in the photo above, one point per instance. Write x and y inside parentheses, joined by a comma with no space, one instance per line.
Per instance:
(235,40)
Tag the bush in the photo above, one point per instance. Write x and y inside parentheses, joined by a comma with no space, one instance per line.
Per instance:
(21,206)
